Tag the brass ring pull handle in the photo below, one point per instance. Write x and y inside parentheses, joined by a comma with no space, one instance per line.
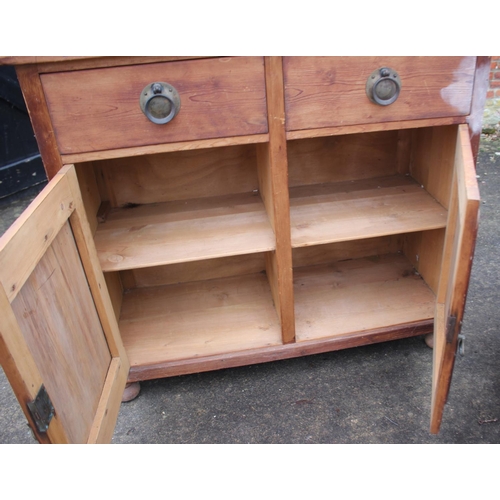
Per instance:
(160,102)
(383,86)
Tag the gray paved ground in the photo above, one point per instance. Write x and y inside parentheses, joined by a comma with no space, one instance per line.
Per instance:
(372,394)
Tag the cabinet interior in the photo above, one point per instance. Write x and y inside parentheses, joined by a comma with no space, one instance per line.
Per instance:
(368,219)
(186,239)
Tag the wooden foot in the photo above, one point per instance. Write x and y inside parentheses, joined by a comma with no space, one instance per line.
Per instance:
(429,340)
(131,391)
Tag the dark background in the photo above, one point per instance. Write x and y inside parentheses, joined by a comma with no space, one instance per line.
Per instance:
(20,162)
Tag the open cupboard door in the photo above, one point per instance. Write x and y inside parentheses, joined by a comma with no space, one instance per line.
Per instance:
(457,263)
(60,346)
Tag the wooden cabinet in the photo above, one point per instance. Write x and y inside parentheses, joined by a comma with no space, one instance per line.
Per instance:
(281,213)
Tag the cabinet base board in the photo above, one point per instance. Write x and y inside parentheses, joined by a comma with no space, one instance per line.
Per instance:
(275,353)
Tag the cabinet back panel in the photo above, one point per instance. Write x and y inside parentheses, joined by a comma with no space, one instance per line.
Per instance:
(180,175)
(237,265)
(342,158)
(424,249)
(346,250)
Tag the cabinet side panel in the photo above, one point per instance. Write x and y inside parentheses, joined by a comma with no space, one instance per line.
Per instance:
(115,288)
(481,86)
(29,79)
(90,192)
(433,158)
(425,251)
(67,343)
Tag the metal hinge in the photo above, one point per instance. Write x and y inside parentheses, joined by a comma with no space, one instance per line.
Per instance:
(450,328)
(42,410)
(461,345)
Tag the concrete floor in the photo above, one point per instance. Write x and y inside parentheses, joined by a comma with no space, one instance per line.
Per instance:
(373,394)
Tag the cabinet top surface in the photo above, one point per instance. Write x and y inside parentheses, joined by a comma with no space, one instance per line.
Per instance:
(24,60)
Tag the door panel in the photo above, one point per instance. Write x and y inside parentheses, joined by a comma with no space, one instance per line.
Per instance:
(57,326)
(457,263)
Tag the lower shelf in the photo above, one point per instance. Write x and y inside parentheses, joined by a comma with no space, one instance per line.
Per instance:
(199,319)
(205,325)
(359,295)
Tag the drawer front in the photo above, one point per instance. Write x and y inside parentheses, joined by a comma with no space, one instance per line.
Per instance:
(331,91)
(98,109)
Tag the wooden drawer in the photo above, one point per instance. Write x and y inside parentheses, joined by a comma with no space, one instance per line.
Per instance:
(331,91)
(98,109)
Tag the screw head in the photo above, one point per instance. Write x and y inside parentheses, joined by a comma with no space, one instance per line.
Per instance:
(157,88)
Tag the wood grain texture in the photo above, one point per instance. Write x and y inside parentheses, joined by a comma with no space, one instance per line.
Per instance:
(39,224)
(462,241)
(115,290)
(67,342)
(89,190)
(29,80)
(21,60)
(64,319)
(330,91)
(264,172)
(445,342)
(404,143)
(193,320)
(274,181)
(432,160)
(180,175)
(475,118)
(183,231)
(331,175)
(342,158)
(278,352)
(328,213)
(94,275)
(425,251)
(49,64)
(439,339)
(356,295)
(184,272)
(164,148)
(219,98)
(22,372)
(365,128)
(346,250)
(104,422)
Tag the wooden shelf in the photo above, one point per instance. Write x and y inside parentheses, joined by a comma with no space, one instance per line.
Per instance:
(183,231)
(198,319)
(328,213)
(359,295)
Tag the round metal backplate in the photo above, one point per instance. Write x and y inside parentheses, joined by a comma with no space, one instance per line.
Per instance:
(160,102)
(383,86)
